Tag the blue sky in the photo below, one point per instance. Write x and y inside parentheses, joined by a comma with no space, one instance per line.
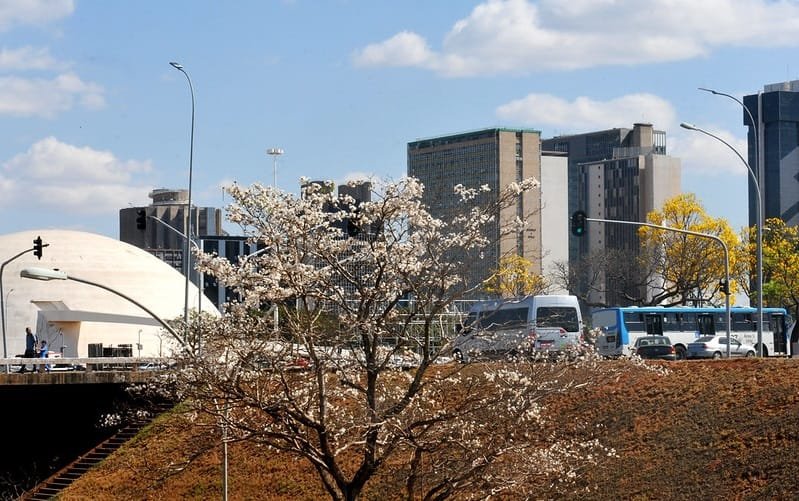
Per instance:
(92,116)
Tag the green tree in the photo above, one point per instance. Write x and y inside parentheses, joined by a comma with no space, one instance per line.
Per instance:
(686,266)
(514,278)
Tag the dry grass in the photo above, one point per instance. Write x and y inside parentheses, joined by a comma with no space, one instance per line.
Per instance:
(709,430)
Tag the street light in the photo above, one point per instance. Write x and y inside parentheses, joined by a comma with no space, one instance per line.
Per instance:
(47,274)
(38,245)
(275,152)
(759,242)
(696,234)
(201,281)
(186,249)
(758,215)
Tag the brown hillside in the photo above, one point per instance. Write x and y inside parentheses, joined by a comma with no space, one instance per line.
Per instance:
(682,430)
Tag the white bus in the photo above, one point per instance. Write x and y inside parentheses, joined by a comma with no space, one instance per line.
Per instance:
(508,327)
(621,326)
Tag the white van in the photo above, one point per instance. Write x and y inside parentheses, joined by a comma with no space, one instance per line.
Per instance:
(510,327)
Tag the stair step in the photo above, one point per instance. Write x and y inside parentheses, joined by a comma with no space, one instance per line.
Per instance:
(55,484)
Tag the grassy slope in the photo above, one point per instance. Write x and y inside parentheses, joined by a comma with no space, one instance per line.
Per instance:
(710,430)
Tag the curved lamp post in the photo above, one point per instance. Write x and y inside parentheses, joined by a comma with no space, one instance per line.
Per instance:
(758,215)
(759,242)
(186,248)
(201,276)
(697,234)
(47,274)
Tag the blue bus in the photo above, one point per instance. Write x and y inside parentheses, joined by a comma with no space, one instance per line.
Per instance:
(621,326)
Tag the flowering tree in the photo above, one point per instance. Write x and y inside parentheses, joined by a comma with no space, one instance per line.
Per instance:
(687,265)
(324,384)
(514,277)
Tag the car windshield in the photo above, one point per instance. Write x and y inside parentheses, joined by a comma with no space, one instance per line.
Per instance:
(704,339)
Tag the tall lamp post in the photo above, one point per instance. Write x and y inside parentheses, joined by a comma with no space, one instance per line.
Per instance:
(186,248)
(759,217)
(274,152)
(758,214)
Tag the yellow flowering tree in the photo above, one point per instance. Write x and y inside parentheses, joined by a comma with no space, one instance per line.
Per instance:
(514,278)
(780,262)
(688,266)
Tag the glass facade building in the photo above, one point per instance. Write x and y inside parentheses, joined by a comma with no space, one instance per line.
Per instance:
(776,114)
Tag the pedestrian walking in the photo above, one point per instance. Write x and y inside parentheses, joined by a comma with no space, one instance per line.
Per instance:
(30,349)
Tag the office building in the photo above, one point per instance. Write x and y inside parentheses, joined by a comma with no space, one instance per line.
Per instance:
(616,174)
(776,113)
(159,228)
(496,157)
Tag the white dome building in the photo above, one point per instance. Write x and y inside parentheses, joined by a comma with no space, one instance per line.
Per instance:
(71,315)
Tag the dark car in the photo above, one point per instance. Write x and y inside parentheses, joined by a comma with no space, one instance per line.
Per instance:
(655,348)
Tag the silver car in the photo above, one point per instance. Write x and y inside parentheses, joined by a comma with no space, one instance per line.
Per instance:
(716,347)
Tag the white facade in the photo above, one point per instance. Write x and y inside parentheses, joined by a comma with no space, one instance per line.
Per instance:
(71,315)
(554,214)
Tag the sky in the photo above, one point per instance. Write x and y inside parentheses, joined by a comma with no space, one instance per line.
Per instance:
(93,117)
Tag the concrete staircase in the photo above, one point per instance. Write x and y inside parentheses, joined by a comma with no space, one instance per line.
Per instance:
(60,480)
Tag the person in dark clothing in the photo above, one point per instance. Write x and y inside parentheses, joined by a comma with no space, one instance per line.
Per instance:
(30,347)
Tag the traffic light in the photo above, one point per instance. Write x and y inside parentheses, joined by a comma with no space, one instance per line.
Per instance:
(141,219)
(723,286)
(578,223)
(37,247)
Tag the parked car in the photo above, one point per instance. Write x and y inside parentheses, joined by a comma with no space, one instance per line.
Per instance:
(716,347)
(654,348)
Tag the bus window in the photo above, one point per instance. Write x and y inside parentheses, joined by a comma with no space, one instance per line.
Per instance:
(778,328)
(742,322)
(705,325)
(654,325)
(671,322)
(688,322)
(633,321)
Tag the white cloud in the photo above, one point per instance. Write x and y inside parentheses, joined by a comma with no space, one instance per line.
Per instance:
(698,152)
(46,98)
(403,49)
(70,178)
(522,36)
(704,155)
(585,114)
(33,12)
(27,58)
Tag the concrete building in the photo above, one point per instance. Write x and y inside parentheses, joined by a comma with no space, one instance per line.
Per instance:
(497,157)
(617,174)
(71,315)
(137,226)
(776,113)
(596,146)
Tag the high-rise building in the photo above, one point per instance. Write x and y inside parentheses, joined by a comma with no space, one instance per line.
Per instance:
(776,113)
(617,174)
(496,157)
(159,227)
